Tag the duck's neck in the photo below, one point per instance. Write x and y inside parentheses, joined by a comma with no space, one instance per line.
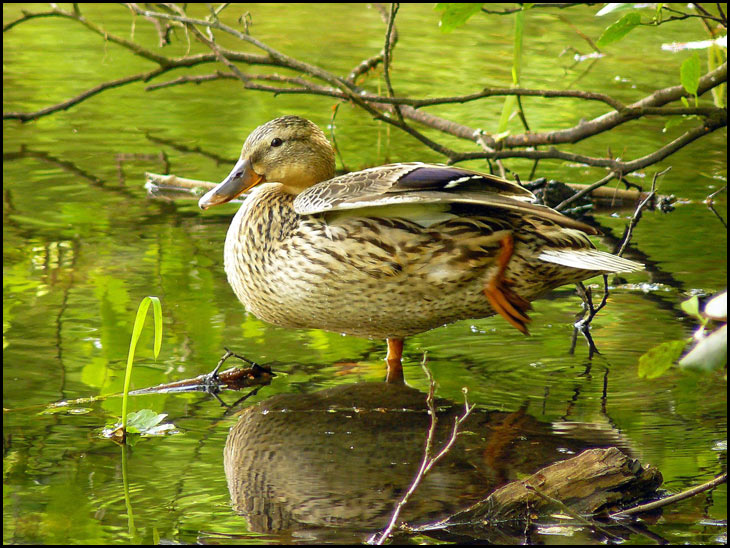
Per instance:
(267,215)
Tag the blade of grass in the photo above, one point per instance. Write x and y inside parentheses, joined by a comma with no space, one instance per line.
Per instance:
(136,331)
(511,101)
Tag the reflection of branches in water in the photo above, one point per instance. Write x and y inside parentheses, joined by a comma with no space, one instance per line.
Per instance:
(314,80)
(657,275)
(219,160)
(121,158)
(73,169)
(70,167)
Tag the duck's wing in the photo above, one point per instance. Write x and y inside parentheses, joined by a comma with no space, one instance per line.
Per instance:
(387,182)
(431,186)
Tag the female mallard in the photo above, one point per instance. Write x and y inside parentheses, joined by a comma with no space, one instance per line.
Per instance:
(389,251)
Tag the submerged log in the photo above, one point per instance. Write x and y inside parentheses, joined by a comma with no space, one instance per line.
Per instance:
(595,481)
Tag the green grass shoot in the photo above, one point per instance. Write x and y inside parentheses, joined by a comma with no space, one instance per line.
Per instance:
(136,331)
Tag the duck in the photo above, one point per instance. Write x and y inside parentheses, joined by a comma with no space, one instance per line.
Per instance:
(393,250)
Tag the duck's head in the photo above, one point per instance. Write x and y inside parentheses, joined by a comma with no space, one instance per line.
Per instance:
(289,150)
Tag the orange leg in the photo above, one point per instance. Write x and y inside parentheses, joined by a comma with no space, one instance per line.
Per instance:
(393,359)
(506,302)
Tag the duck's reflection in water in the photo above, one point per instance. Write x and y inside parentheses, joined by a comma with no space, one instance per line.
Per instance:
(342,457)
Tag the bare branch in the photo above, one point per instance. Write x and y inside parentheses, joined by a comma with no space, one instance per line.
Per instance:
(636,217)
(719,480)
(680,15)
(65,105)
(623,168)
(575,197)
(710,203)
(372,62)
(386,57)
(583,323)
(429,460)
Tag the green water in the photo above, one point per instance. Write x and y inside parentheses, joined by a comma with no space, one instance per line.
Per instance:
(82,245)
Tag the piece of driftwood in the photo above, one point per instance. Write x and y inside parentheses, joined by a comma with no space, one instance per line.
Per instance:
(595,481)
(172,187)
(236,378)
(616,198)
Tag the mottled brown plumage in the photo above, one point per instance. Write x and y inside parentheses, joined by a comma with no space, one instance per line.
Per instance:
(390,251)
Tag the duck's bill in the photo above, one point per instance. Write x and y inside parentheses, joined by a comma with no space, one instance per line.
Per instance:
(239,180)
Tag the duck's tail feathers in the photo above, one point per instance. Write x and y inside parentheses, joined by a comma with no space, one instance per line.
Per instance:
(589,259)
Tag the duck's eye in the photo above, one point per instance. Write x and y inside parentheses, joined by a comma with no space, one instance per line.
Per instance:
(276,142)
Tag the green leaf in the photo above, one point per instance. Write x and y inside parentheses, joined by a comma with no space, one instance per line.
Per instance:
(673,122)
(510,102)
(689,74)
(691,307)
(619,29)
(142,423)
(508,107)
(455,15)
(144,419)
(613,6)
(157,308)
(660,358)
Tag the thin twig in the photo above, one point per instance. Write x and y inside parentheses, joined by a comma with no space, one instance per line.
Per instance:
(710,203)
(335,109)
(604,181)
(560,5)
(65,105)
(583,324)
(704,15)
(394,6)
(428,460)
(673,498)
(636,217)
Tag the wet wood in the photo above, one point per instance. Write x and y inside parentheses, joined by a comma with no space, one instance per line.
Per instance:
(595,481)
(175,182)
(235,378)
(606,197)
